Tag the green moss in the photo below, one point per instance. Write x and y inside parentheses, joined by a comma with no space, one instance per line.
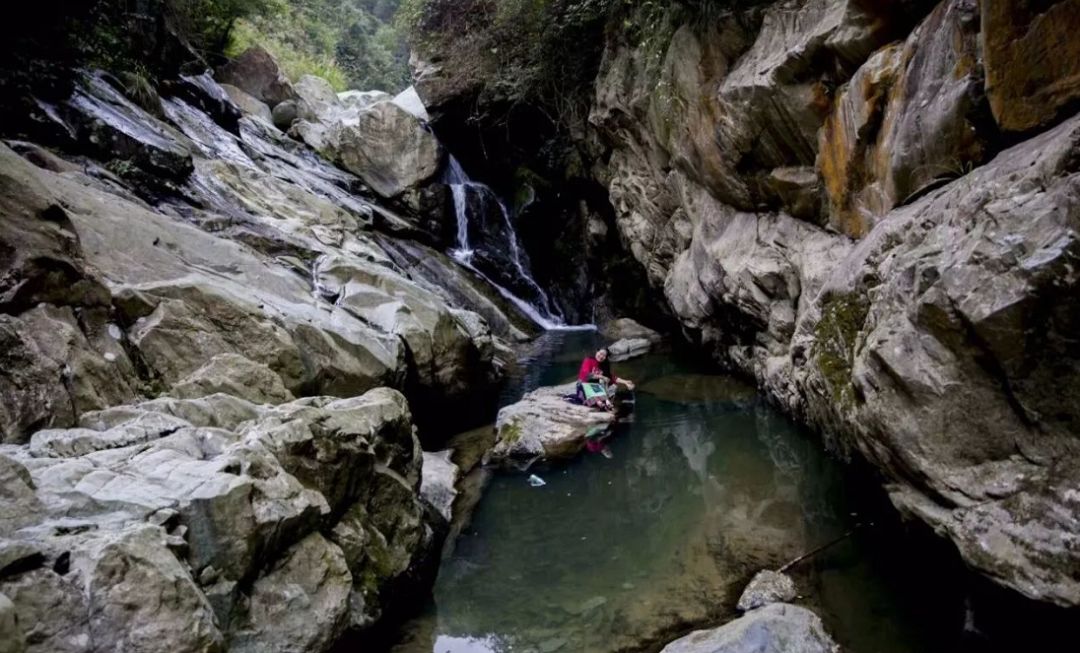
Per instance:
(511,432)
(842,318)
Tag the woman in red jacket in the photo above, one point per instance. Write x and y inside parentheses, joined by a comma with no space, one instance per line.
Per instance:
(596,369)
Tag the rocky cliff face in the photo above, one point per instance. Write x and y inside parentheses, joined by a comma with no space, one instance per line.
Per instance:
(881,228)
(872,209)
(215,345)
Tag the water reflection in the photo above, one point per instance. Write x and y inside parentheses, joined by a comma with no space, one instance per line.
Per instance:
(702,489)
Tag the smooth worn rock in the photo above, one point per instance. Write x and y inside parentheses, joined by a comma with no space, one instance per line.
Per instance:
(410,100)
(442,344)
(767,587)
(628,348)
(624,328)
(438,486)
(249,104)
(256,72)
(544,425)
(776,628)
(234,375)
(1032,61)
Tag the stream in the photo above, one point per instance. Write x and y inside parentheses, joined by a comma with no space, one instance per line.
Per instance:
(628,550)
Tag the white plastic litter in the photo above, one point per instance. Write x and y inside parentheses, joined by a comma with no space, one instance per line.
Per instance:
(536,481)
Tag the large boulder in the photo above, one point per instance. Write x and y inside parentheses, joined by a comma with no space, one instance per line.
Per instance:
(545,425)
(249,104)
(776,628)
(256,72)
(384,145)
(624,328)
(628,348)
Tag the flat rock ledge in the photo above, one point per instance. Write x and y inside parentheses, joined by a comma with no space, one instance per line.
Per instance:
(775,628)
(544,425)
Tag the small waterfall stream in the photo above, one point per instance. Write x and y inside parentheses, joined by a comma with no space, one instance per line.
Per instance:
(471,197)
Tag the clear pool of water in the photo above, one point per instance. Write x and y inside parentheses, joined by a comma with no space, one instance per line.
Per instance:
(706,485)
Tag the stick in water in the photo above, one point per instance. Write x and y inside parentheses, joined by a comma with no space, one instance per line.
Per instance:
(821,548)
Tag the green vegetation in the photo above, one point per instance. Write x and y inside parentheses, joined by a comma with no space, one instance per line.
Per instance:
(842,318)
(46,41)
(350,43)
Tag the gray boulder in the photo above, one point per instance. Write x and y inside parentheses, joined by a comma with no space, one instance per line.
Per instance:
(624,328)
(285,114)
(544,425)
(628,348)
(776,628)
(256,72)
(386,146)
(767,587)
(249,104)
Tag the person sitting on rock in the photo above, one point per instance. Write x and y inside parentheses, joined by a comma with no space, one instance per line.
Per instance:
(596,371)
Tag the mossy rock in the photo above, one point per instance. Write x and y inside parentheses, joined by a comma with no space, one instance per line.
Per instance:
(837,342)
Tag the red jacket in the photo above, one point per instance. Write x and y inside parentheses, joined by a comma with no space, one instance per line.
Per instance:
(590,367)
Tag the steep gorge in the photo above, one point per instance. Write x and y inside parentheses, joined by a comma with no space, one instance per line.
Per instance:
(872,210)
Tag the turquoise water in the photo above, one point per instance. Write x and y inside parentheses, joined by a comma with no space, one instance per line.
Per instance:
(625,551)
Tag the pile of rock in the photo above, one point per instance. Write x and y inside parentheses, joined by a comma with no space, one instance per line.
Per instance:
(199,524)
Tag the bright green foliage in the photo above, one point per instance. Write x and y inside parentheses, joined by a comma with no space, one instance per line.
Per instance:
(351,43)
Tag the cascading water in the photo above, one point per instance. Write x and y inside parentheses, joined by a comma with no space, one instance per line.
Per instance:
(501,262)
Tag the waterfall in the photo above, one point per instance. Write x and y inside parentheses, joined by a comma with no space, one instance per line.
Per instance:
(505,248)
